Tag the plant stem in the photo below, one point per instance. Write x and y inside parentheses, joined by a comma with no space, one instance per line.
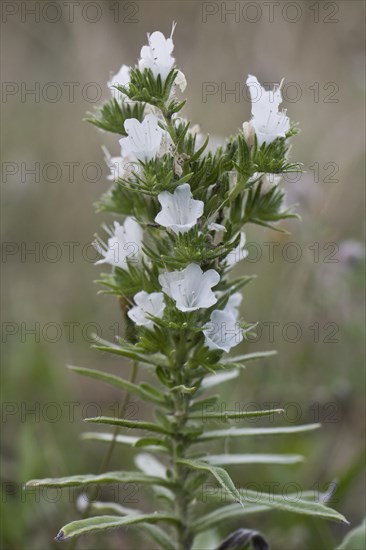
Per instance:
(181,404)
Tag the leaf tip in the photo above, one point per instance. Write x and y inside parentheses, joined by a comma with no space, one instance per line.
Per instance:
(60,536)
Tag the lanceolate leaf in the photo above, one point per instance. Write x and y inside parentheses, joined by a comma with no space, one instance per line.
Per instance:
(236,511)
(135,424)
(102,523)
(106,437)
(250,357)
(88,479)
(224,513)
(131,351)
(219,378)
(249,432)
(233,415)
(219,474)
(155,532)
(231,459)
(104,508)
(120,383)
(299,506)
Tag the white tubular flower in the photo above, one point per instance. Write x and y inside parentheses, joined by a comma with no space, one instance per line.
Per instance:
(249,133)
(180,211)
(190,287)
(180,81)
(269,123)
(233,304)
(143,138)
(124,245)
(157,54)
(122,78)
(222,332)
(146,304)
(120,167)
(239,253)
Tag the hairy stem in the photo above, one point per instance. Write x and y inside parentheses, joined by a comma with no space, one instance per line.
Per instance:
(180,376)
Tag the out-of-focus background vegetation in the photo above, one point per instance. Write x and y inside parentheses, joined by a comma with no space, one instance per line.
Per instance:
(318,48)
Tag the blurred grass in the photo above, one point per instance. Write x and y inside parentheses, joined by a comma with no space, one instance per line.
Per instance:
(325,379)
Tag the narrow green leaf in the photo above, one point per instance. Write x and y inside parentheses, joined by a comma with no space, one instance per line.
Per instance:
(151,442)
(100,507)
(227,459)
(132,424)
(106,478)
(249,432)
(131,351)
(119,383)
(298,505)
(107,437)
(219,474)
(234,415)
(230,511)
(219,378)
(102,523)
(250,357)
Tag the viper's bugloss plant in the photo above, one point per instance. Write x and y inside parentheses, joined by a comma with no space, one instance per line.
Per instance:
(179,212)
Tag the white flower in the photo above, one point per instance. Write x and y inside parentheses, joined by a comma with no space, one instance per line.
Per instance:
(268,180)
(239,253)
(268,122)
(120,167)
(249,132)
(166,145)
(143,138)
(122,78)
(124,244)
(190,287)
(233,304)
(180,81)
(222,331)
(157,54)
(146,304)
(180,211)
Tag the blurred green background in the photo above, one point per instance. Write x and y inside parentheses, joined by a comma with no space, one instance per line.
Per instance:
(319,48)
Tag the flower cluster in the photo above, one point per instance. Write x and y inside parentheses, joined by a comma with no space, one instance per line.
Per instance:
(145,141)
